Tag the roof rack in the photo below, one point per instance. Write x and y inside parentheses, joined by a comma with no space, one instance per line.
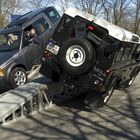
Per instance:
(23,15)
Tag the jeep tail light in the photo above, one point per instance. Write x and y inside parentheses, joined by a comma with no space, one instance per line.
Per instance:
(90,27)
(47,54)
(107,72)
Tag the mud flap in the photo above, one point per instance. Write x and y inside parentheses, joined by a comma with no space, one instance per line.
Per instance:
(47,70)
(55,88)
(55,91)
(93,100)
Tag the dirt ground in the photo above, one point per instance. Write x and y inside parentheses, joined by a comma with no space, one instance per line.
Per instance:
(118,120)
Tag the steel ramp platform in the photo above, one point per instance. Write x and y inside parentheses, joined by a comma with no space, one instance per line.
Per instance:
(18,103)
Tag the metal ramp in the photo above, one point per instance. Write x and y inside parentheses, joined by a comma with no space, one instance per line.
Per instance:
(18,103)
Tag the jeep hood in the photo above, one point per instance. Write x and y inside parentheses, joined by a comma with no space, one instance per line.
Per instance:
(113,30)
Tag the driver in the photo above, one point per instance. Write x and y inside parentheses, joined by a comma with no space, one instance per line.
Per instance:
(31,36)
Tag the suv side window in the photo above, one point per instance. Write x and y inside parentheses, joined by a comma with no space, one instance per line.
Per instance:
(119,54)
(79,27)
(52,14)
(40,26)
(127,54)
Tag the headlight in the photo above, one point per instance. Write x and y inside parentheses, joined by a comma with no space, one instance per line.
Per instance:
(1,72)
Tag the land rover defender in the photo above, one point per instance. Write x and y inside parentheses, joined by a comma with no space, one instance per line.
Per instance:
(89,54)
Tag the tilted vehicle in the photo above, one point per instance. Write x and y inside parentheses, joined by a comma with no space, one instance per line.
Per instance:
(19,57)
(88,54)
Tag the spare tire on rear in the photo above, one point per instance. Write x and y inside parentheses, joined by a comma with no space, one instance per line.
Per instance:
(77,56)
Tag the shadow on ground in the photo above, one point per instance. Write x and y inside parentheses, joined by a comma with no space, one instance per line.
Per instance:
(119,119)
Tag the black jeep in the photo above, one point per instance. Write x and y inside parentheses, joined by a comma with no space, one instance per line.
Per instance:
(90,55)
(19,53)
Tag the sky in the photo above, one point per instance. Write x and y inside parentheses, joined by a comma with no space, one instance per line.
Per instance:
(29,8)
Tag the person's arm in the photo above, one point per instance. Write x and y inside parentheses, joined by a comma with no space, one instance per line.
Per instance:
(35,39)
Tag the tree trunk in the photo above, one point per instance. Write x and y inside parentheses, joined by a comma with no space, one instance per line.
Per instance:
(0,6)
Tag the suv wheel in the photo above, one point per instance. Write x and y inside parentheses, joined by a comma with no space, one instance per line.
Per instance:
(17,77)
(76,56)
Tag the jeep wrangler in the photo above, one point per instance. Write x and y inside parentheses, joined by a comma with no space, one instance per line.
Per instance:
(90,55)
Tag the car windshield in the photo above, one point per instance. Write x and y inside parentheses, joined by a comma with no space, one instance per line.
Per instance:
(10,41)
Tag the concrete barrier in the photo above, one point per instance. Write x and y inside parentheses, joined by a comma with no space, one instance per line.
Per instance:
(18,103)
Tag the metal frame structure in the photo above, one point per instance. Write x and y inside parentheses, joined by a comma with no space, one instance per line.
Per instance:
(23,101)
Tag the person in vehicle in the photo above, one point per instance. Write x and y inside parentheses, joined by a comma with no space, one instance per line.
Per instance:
(31,36)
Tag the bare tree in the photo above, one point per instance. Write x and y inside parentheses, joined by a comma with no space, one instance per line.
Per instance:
(107,10)
(36,4)
(0,5)
(11,6)
(116,10)
(136,14)
(90,6)
(8,8)
(63,4)
(1,16)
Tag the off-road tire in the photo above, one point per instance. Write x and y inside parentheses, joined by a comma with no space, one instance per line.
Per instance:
(80,62)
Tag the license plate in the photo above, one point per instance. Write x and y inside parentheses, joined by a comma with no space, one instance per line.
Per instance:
(53,48)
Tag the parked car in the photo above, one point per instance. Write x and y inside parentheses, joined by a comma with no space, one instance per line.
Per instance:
(88,54)
(22,44)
